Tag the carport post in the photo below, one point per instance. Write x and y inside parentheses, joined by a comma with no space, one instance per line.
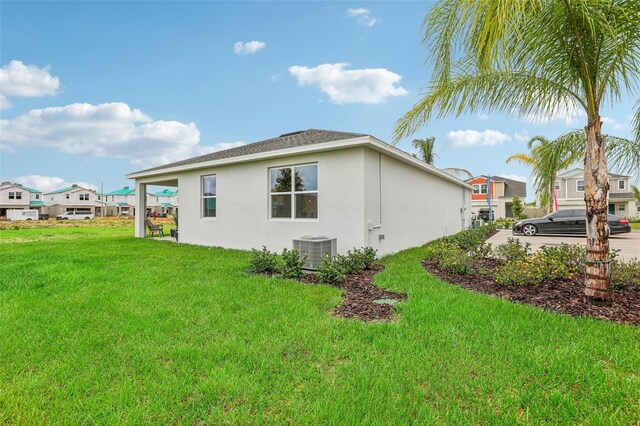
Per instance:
(141,209)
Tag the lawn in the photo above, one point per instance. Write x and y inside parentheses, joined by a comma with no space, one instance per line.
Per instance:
(99,327)
(635,225)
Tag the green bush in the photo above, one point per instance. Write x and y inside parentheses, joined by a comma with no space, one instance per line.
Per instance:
(512,250)
(263,261)
(370,255)
(292,263)
(516,272)
(626,274)
(482,251)
(565,257)
(470,239)
(454,260)
(330,272)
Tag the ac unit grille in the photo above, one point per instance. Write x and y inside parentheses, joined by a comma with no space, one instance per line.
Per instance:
(315,247)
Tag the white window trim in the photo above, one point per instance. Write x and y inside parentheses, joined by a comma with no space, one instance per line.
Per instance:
(292,193)
(578,190)
(203,197)
(624,184)
(12,195)
(479,186)
(556,185)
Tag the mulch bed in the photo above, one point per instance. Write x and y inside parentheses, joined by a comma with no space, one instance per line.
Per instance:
(566,296)
(359,297)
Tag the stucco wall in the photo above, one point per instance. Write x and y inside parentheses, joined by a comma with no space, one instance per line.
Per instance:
(416,206)
(242,216)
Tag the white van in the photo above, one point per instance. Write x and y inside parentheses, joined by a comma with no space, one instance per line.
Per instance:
(16,214)
(77,215)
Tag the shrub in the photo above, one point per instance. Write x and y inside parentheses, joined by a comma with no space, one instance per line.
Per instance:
(470,239)
(566,257)
(292,263)
(370,255)
(512,250)
(626,274)
(330,272)
(263,261)
(516,272)
(482,251)
(355,261)
(454,260)
(517,207)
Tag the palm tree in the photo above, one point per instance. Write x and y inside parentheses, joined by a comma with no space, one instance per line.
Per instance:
(537,57)
(636,193)
(426,149)
(545,163)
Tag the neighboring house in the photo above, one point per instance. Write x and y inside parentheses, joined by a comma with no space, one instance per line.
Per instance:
(569,188)
(502,192)
(168,201)
(348,186)
(71,198)
(16,196)
(122,202)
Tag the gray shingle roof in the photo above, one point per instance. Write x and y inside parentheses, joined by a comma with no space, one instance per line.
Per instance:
(284,141)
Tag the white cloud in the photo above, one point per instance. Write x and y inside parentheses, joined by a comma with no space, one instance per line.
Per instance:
(25,81)
(469,138)
(612,123)
(49,183)
(483,117)
(522,136)
(248,48)
(363,16)
(368,86)
(566,111)
(514,177)
(105,130)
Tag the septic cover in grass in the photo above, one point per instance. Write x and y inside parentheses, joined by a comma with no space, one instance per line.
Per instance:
(385,301)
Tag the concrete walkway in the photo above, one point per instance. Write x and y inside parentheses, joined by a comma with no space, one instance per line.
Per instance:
(628,244)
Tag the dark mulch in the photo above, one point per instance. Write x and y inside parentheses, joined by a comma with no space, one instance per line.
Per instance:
(566,296)
(359,297)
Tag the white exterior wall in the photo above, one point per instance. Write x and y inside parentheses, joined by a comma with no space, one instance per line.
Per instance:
(19,204)
(243,204)
(409,206)
(73,200)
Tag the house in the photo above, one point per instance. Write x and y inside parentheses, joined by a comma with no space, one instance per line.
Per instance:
(348,186)
(16,196)
(502,192)
(569,188)
(122,202)
(168,201)
(71,198)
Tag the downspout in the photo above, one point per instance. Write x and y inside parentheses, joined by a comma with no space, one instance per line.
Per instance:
(371,224)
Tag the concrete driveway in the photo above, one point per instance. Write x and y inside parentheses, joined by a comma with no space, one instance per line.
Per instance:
(628,244)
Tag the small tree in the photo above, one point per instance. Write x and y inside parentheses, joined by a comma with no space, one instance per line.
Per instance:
(516,207)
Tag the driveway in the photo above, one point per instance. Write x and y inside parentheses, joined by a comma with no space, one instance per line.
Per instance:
(628,244)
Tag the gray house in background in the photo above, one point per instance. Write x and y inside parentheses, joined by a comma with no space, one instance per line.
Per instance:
(569,188)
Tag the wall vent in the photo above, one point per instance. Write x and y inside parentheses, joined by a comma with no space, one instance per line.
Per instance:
(315,247)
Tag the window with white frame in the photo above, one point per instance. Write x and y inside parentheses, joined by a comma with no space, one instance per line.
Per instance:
(621,184)
(209,197)
(294,192)
(621,207)
(66,196)
(479,188)
(556,185)
(37,196)
(580,185)
(12,195)
(18,195)
(84,197)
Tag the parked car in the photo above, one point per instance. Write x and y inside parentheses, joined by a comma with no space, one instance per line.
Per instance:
(566,222)
(44,216)
(76,215)
(484,214)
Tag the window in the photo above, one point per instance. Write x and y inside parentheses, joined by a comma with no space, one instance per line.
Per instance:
(580,185)
(12,195)
(18,195)
(209,196)
(621,207)
(66,196)
(294,192)
(621,184)
(99,197)
(37,196)
(480,188)
(556,185)
(84,197)
(562,214)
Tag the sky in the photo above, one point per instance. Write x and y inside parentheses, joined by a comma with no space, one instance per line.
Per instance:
(91,91)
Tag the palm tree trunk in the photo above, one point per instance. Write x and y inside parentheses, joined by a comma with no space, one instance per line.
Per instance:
(596,186)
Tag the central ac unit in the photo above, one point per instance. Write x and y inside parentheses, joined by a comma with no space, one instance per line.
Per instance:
(315,247)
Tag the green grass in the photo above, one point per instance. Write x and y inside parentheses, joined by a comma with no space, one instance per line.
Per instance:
(99,327)
(635,226)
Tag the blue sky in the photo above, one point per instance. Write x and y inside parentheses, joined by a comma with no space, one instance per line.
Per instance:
(94,90)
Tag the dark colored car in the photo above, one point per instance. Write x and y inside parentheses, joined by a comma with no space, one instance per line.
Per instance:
(484,213)
(566,222)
